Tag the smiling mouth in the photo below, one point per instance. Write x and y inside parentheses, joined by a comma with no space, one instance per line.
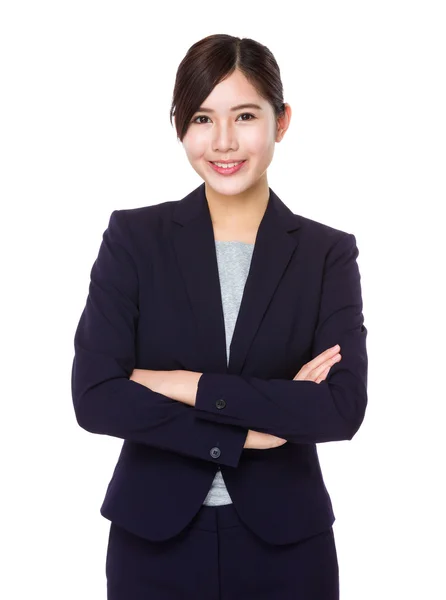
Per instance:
(225,163)
(236,166)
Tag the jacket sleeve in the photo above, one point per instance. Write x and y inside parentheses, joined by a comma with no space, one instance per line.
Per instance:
(302,411)
(105,400)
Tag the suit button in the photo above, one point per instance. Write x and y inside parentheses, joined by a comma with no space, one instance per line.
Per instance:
(220,403)
(215,452)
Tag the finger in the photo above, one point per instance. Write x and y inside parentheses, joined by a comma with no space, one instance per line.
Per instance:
(315,373)
(323,375)
(329,363)
(308,372)
(324,356)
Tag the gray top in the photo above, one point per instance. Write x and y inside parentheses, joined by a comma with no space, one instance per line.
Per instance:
(234,261)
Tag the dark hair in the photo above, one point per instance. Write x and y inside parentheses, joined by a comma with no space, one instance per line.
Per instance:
(212,59)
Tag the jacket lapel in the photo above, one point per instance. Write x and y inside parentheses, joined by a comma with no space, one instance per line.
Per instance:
(194,244)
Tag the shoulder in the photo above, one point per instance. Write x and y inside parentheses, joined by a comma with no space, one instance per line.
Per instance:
(143,220)
(321,236)
(149,214)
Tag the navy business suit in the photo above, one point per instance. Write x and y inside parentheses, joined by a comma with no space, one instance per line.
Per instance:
(154,302)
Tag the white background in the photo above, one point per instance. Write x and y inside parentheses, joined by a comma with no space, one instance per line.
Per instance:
(85,97)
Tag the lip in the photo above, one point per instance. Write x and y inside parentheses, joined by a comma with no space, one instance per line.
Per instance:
(227,171)
(225,162)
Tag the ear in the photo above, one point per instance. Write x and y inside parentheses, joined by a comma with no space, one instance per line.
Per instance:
(283,122)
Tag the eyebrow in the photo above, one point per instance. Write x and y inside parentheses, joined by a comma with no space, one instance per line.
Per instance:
(238,107)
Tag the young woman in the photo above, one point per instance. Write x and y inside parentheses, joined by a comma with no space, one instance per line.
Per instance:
(222,339)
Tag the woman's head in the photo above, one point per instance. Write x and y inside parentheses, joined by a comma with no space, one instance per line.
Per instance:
(219,73)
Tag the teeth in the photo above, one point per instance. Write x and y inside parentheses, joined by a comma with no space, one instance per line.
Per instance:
(228,165)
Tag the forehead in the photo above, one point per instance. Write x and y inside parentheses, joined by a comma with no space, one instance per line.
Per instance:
(232,93)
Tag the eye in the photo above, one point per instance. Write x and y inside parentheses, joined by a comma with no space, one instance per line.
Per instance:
(205,117)
(199,117)
(248,115)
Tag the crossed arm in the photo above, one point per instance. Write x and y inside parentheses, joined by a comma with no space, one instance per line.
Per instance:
(109,399)
(178,385)
(182,386)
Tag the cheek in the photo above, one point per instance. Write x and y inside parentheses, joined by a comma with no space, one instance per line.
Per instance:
(195,144)
(262,149)
(258,141)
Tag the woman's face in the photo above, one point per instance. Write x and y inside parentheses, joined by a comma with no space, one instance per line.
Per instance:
(245,134)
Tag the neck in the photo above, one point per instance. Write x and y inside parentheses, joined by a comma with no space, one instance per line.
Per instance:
(240,212)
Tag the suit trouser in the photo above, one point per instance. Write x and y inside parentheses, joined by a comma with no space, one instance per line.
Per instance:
(216,557)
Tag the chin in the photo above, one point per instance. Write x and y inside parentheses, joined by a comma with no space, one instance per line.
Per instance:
(231,190)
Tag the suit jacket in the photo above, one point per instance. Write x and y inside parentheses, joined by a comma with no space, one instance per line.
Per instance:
(154,302)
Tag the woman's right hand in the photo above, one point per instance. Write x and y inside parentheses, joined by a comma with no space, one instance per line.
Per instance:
(316,370)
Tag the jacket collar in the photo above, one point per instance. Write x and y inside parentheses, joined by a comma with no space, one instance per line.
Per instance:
(194,244)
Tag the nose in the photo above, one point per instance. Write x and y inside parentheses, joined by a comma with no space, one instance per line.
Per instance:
(224,139)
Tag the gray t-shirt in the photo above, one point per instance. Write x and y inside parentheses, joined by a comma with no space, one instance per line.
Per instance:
(234,261)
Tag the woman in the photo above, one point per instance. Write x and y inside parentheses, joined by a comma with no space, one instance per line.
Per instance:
(211,344)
